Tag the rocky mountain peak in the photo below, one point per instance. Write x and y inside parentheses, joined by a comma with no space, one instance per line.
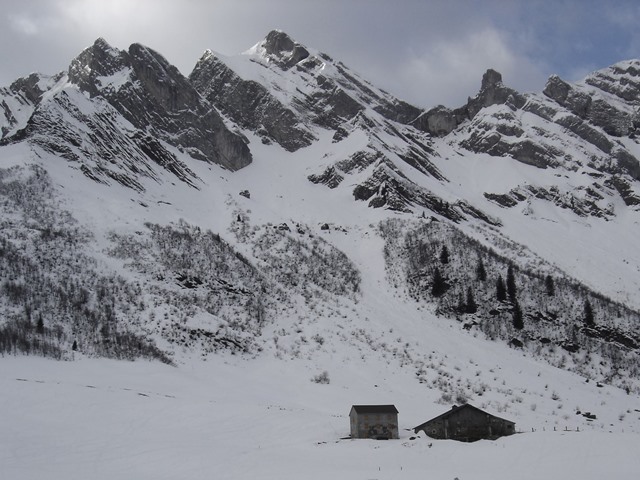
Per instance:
(557,89)
(32,86)
(100,59)
(140,86)
(162,80)
(491,78)
(281,47)
(278,41)
(441,120)
(492,92)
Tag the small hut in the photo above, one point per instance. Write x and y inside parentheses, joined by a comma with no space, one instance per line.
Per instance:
(467,423)
(379,422)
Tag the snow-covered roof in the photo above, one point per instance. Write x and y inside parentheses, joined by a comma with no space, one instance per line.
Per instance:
(374,409)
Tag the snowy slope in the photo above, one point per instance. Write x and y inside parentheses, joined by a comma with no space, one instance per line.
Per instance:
(239,419)
(251,282)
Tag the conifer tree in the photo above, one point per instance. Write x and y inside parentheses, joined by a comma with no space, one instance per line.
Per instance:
(481,273)
(439,286)
(511,284)
(589,319)
(518,323)
(549,286)
(444,255)
(501,290)
(471,306)
(462,305)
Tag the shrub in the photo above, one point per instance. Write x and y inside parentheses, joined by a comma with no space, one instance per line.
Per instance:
(321,378)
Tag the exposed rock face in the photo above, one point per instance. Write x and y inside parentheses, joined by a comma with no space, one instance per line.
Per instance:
(585,202)
(522,126)
(31,86)
(621,80)
(624,189)
(282,47)
(18,102)
(492,92)
(439,121)
(100,148)
(249,104)
(124,114)
(292,92)
(589,107)
(559,90)
(118,116)
(151,93)
(499,132)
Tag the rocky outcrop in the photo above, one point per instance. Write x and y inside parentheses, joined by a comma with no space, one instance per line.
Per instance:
(492,92)
(249,104)
(438,121)
(18,101)
(121,116)
(593,201)
(592,115)
(621,80)
(500,132)
(387,187)
(588,106)
(100,149)
(290,91)
(281,47)
(567,96)
(441,121)
(152,94)
(33,86)
(624,188)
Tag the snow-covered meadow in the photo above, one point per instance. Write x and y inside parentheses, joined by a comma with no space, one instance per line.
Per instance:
(230,418)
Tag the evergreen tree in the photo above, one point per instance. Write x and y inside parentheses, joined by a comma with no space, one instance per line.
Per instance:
(40,325)
(518,322)
(444,255)
(74,347)
(549,286)
(501,290)
(439,286)
(481,273)
(462,306)
(470,306)
(511,284)
(589,319)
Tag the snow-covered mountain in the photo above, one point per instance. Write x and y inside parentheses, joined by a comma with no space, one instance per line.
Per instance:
(275,211)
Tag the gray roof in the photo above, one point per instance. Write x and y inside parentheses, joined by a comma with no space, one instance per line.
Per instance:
(374,408)
(454,410)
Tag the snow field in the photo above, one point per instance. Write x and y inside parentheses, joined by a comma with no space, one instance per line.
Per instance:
(228,418)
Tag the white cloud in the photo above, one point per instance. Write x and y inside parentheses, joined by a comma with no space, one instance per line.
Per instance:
(448,71)
(425,52)
(23,24)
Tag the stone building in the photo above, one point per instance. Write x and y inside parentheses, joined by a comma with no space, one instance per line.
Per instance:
(466,423)
(379,422)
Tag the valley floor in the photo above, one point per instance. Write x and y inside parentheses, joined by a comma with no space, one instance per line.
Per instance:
(231,418)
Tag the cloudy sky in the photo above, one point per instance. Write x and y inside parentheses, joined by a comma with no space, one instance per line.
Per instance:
(427,52)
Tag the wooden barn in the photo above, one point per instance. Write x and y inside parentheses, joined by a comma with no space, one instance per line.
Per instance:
(467,423)
(379,422)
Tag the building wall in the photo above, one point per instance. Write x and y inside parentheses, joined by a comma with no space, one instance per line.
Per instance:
(469,425)
(373,425)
